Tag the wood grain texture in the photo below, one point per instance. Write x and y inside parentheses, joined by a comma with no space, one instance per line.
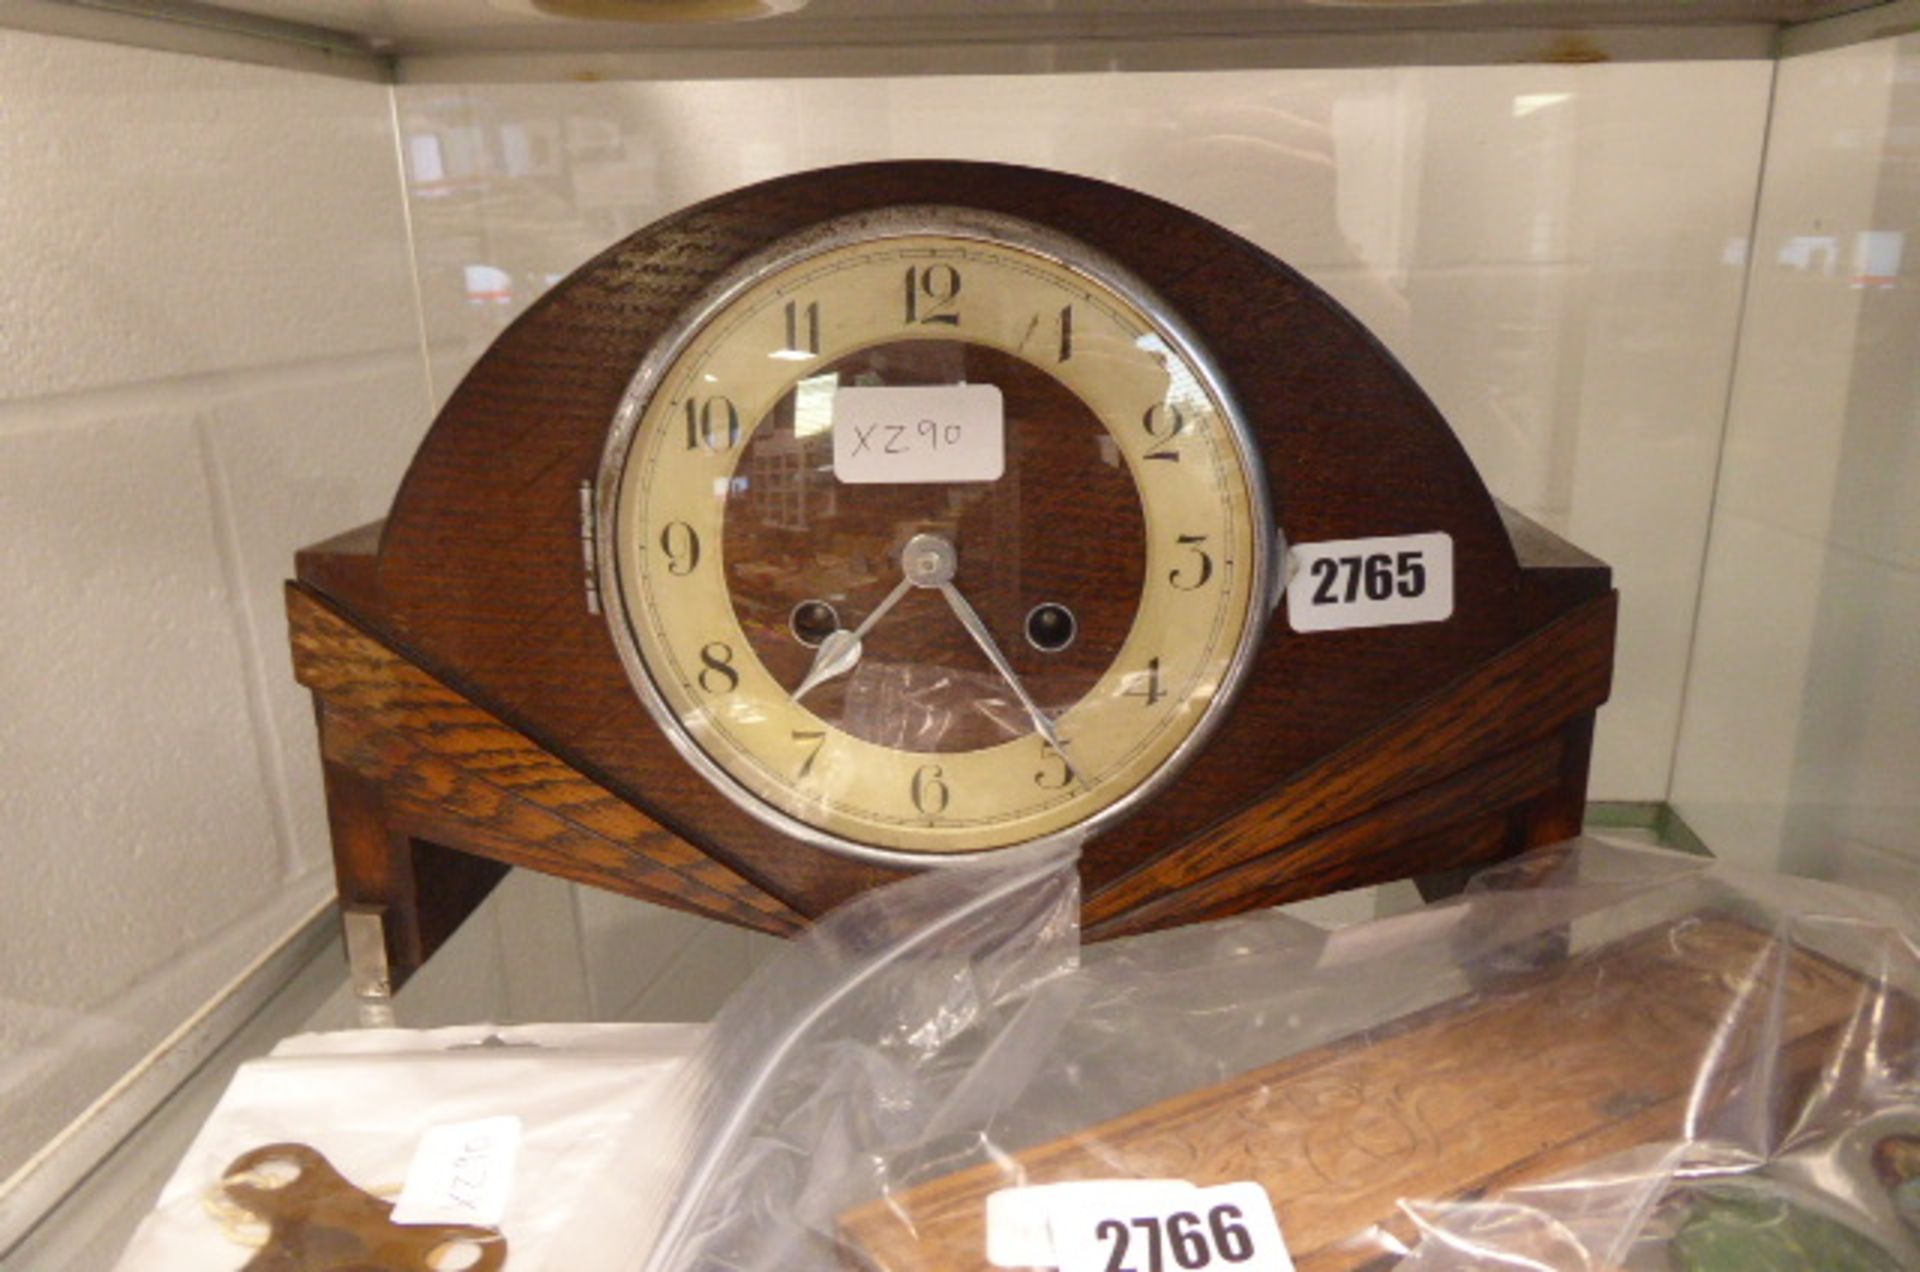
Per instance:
(1353,449)
(476,581)
(1535,688)
(446,769)
(1294,866)
(1595,1055)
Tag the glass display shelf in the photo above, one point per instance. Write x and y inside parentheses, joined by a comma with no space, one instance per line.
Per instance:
(539,949)
(547,40)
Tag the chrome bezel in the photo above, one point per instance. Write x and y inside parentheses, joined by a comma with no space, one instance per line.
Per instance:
(907,221)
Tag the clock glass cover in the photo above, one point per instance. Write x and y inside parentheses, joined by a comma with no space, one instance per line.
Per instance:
(932,532)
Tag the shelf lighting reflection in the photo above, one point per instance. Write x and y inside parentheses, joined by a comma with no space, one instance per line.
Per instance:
(813,404)
(1525,104)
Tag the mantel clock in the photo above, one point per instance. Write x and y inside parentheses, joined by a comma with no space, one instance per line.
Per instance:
(886,517)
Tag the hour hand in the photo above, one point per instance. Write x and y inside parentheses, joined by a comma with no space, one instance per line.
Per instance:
(839,652)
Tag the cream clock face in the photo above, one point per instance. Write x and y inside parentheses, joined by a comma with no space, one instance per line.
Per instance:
(930,532)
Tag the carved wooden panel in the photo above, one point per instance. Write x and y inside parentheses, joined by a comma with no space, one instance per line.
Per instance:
(1597,1055)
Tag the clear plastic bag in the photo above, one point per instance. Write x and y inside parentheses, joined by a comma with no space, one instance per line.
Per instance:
(1598,1057)
(588,1099)
(862,1040)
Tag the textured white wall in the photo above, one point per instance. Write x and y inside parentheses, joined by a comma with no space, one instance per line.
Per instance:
(1554,260)
(209,355)
(1801,746)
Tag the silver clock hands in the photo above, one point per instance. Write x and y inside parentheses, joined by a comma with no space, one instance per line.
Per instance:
(983,638)
(926,561)
(930,561)
(839,650)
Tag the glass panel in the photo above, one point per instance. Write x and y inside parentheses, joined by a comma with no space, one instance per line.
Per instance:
(1802,737)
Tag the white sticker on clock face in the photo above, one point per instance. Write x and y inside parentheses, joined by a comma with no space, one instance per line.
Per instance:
(1385,582)
(913,433)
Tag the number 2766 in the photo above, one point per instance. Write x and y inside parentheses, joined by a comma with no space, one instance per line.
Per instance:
(1192,1242)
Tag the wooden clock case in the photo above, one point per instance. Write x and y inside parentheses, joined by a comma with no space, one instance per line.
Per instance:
(474,714)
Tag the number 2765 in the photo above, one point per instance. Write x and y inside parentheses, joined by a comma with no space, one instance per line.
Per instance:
(1379,576)
(1193,1242)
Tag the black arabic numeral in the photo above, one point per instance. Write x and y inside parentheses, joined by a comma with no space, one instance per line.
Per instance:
(713,425)
(1188,1240)
(1412,574)
(682,547)
(1231,1239)
(717,658)
(1163,423)
(1151,1226)
(1204,570)
(1379,577)
(1115,1231)
(799,341)
(1326,569)
(931,293)
(1049,781)
(929,792)
(818,739)
(1146,684)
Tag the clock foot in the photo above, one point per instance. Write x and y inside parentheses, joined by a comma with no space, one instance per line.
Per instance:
(364,929)
(400,896)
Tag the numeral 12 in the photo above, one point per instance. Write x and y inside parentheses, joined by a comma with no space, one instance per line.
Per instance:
(931,293)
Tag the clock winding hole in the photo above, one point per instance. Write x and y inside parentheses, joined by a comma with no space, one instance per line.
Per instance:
(812,621)
(1050,627)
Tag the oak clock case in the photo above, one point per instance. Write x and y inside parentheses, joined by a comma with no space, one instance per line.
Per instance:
(931,532)
(508,669)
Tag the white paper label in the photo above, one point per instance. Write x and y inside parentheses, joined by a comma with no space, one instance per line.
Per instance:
(910,433)
(1230,1226)
(1020,1220)
(1388,582)
(461,1173)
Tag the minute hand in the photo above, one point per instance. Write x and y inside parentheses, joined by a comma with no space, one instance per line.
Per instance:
(983,638)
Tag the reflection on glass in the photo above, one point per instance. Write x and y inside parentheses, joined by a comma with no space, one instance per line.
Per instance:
(488,285)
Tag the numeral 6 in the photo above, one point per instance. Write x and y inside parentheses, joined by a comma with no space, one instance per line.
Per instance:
(1188,1239)
(1231,1239)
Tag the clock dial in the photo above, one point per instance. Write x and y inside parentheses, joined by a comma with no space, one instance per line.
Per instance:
(939,652)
